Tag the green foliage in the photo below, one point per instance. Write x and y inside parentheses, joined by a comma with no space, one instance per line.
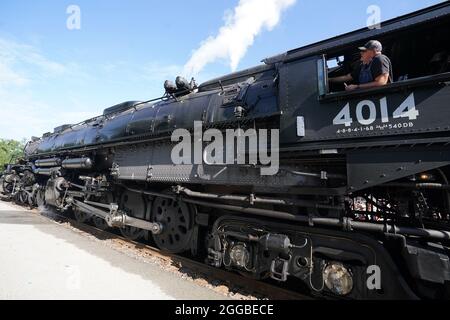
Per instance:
(10,149)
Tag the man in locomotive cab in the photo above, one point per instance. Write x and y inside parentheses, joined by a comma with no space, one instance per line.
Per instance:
(374,69)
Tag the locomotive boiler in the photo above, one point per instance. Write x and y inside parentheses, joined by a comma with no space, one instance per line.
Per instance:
(357,204)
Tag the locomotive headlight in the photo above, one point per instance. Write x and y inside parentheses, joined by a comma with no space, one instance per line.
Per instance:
(423,177)
(426,177)
(338,279)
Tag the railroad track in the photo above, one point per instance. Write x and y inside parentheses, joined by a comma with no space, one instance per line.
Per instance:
(234,281)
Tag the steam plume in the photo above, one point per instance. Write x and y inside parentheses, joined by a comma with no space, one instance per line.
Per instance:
(248,19)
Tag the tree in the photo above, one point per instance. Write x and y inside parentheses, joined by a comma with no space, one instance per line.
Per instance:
(10,149)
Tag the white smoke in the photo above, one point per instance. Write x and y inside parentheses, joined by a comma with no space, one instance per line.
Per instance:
(247,20)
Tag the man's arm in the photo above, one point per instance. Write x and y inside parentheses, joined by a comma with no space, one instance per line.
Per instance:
(380,81)
(341,79)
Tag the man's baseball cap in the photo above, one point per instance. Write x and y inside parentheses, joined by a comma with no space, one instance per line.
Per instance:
(372,45)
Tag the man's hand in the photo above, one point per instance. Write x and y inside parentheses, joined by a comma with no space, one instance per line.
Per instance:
(351,87)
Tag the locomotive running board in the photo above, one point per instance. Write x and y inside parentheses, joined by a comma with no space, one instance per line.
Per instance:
(116,218)
(371,168)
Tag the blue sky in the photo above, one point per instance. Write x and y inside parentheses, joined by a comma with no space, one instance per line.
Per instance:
(124,50)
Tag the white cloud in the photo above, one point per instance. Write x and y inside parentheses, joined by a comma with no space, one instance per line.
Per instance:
(248,19)
(38,93)
(22,116)
(10,77)
(25,72)
(21,113)
(14,56)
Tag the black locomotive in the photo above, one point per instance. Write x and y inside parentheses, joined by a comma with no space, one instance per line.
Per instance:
(359,206)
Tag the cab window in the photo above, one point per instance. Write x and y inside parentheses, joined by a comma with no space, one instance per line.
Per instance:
(419,53)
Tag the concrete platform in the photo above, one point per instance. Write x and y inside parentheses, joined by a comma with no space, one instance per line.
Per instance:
(43,260)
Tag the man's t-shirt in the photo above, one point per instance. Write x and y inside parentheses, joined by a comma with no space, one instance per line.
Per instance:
(379,65)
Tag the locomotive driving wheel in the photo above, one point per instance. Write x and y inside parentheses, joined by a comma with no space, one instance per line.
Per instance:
(26,198)
(134,205)
(176,217)
(40,198)
(101,223)
(80,216)
(7,186)
(23,197)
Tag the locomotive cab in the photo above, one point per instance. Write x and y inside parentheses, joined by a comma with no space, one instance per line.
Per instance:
(319,117)
(420,52)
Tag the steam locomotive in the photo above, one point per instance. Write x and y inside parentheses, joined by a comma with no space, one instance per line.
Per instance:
(358,208)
